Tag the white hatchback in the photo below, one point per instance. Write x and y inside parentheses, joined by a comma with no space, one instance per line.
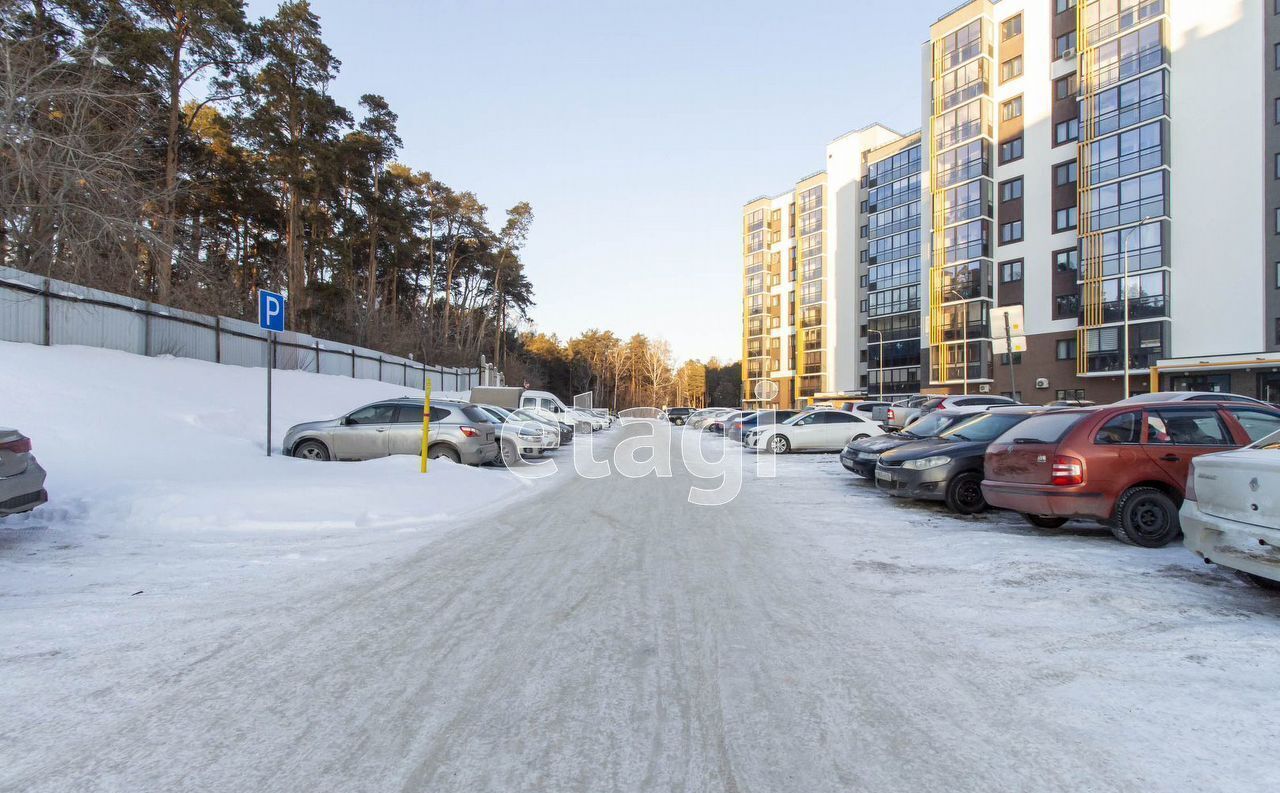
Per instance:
(813,431)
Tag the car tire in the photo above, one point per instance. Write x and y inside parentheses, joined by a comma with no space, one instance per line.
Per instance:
(964,493)
(1146,517)
(447,452)
(508,454)
(1045,521)
(679,422)
(779,444)
(312,450)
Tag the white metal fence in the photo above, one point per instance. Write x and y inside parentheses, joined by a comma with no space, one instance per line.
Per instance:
(46,311)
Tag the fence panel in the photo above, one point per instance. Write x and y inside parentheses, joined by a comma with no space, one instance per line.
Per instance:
(21,315)
(79,315)
(122,325)
(184,335)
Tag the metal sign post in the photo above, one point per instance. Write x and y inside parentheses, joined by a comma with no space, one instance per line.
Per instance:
(426,418)
(270,319)
(1014,340)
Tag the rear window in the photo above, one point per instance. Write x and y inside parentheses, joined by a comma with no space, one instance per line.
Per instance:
(474,413)
(1045,428)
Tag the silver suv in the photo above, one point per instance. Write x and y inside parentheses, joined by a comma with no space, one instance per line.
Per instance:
(460,431)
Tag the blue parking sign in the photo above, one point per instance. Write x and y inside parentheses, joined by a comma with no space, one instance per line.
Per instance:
(270,310)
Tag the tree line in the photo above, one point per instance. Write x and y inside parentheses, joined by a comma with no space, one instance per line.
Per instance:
(175,150)
(179,152)
(623,373)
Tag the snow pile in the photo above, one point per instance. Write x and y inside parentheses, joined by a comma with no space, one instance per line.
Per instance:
(171,445)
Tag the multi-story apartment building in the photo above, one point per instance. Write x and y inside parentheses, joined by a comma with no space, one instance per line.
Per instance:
(1103,164)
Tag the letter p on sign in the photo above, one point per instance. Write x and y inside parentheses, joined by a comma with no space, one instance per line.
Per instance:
(270,310)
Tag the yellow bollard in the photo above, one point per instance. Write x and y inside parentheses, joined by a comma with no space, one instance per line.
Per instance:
(426,419)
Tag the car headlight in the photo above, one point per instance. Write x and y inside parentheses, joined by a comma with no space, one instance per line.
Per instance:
(925,463)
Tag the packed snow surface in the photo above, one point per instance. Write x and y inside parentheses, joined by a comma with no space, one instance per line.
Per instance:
(596,635)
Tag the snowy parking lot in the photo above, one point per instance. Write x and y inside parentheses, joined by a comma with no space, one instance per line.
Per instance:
(584,634)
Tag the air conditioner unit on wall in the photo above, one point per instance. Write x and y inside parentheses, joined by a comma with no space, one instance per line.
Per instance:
(984,389)
(1068,53)
(1042,382)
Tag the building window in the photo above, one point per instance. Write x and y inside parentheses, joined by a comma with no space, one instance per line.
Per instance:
(1277,330)
(1277,102)
(1011,68)
(1063,6)
(1066,131)
(1066,306)
(1011,190)
(1278,221)
(1010,271)
(1064,46)
(1011,109)
(1067,261)
(1064,174)
(1277,167)
(1278,263)
(1011,27)
(1064,219)
(1066,87)
(1074,394)
(1011,232)
(1011,150)
(1004,361)
(1066,351)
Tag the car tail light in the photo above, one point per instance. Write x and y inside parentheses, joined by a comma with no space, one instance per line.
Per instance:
(20,446)
(1067,471)
(737,425)
(1190,494)
(470,432)
(889,415)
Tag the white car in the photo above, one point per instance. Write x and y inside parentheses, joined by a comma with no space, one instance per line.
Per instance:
(813,431)
(700,418)
(1231,512)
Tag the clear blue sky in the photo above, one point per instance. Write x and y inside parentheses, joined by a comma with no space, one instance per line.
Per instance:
(636,130)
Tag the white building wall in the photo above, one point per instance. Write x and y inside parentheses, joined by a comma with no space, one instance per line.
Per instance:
(1219,56)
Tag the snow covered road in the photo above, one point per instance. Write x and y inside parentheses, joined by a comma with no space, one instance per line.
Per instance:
(809,636)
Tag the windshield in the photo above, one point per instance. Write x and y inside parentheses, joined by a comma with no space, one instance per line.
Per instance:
(1271,443)
(983,427)
(934,423)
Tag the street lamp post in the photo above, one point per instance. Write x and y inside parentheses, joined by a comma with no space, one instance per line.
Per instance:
(881,362)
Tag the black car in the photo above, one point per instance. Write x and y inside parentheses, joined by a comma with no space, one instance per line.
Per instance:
(948,468)
(860,456)
(678,416)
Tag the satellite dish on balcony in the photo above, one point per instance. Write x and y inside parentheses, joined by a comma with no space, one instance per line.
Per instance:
(766,390)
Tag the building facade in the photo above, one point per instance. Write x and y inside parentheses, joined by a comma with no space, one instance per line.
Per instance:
(1102,164)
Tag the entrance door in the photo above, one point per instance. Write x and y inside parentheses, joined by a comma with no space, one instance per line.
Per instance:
(1269,387)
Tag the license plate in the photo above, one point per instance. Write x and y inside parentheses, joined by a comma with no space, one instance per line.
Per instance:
(867,456)
(883,476)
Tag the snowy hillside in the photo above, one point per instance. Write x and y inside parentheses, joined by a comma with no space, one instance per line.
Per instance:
(170,450)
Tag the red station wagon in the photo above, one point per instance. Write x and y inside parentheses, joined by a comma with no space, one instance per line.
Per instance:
(1124,465)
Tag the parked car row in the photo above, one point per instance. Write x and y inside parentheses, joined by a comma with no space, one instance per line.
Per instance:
(465,432)
(1152,468)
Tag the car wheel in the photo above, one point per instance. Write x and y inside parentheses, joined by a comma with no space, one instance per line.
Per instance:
(779,444)
(1146,517)
(964,493)
(679,422)
(311,450)
(447,452)
(1045,521)
(510,455)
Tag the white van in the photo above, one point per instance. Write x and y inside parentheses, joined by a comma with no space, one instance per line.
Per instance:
(550,405)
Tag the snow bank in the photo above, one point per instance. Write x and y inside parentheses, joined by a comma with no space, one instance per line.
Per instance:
(166,445)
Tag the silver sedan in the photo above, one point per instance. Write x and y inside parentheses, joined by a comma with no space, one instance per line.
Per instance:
(460,431)
(21,477)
